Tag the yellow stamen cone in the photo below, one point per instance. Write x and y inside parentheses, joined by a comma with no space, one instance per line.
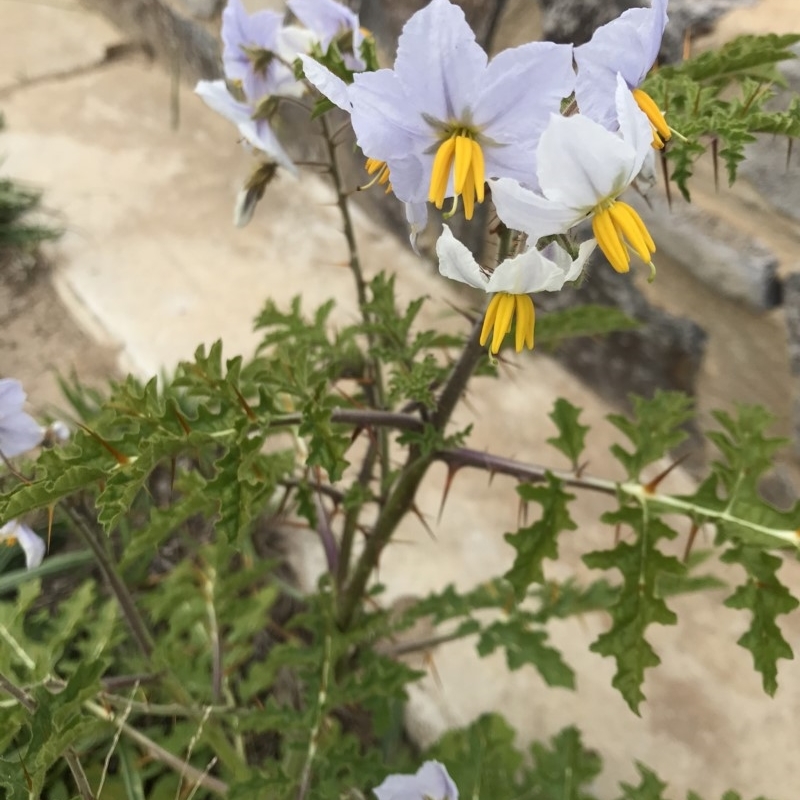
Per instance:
(469,196)
(380,169)
(609,240)
(463,162)
(653,112)
(648,239)
(628,230)
(440,172)
(488,320)
(502,323)
(524,324)
(478,171)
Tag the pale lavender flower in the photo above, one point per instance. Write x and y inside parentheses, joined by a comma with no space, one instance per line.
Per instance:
(627,46)
(32,545)
(431,782)
(446,118)
(330,21)
(255,55)
(19,432)
(256,131)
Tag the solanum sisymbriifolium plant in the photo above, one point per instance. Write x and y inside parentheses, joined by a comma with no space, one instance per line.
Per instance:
(186,663)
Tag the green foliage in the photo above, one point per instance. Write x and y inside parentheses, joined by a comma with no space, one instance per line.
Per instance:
(571,437)
(585,320)
(536,542)
(565,769)
(653,429)
(720,99)
(639,603)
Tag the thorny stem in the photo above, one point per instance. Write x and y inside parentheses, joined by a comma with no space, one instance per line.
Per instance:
(373,386)
(401,497)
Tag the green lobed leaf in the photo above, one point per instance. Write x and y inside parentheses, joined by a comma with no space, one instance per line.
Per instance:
(650,787)
(653,429)
(571,438)
(536,542)
(481,758)
(525,645)
(766,598)
(639,603)
(564,769)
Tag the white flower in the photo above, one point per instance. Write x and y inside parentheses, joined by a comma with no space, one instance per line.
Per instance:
(582,170)
(431,782)
(511,283)
(19,432)
(33,546)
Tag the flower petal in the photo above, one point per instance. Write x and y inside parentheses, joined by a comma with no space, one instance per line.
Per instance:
(431,781)
(526,273)
(524,210)
(457,262)
(634,127)
(326,18)
(580,163)
(522,86)
(438,60)
(257,133)
(330,85)
(19,431)
(32,545)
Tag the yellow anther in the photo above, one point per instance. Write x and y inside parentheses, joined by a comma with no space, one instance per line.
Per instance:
(609,240)
(617,227)
(381,171)
(625,223)
(526,316)
(462,155)
(500,315)
(442,164)
(653,113)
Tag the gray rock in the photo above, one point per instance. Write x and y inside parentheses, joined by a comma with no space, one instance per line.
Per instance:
(203,9)
(716,253)
(791,299)
(665,352)
(576,20)
(767,165)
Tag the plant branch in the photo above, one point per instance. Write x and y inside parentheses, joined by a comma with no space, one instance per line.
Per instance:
(159,753)
(373,386)
(136,623)
(70,756)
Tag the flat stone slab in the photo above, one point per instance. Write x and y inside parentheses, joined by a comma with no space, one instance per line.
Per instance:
(42,39)
(736,265)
